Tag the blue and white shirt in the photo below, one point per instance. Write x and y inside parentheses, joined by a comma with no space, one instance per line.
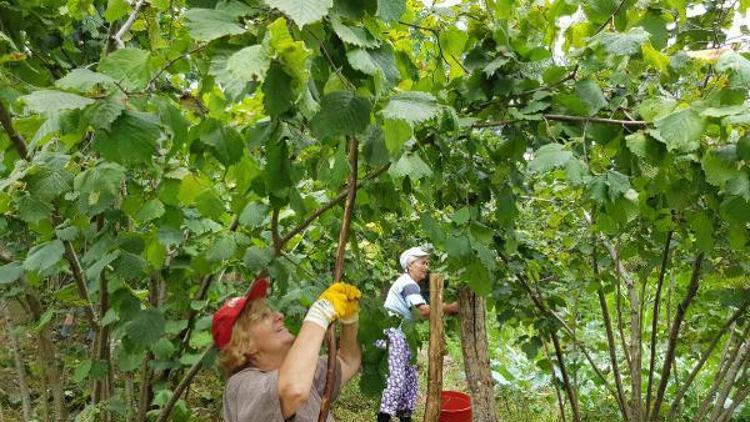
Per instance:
(403,294)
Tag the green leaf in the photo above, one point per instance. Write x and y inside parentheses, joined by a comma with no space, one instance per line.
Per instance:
(48,182)
(11,272)
(743,148)
(210,204)
(82,371)
(655,108)
(736,64)
(226,144)
(45,256)
(341,113)
(254,214)
(131,140)
(717,170)
(302,12)
(371,62)
(67,234)
(724,111)
(599,11)
(548,157)
(163,348)
(278,96)
(457,247)
(223,248)
(51,102)
(293,55)
(151,210)
(209,24)
(622,43)
(397,132)
(102,114)
(249,64)
(32,209)
(190,187)
(130,266)
(98,187)
(374,149)
(655,58)
(740,185)
(359,37)
(83,80)
(116,9)
(478,278)
(278,177)
(410,165)
(703,231)
(681,130)
(257,259)
(391,10)
(146,328)
(591,95)
(129,66)
(413,107)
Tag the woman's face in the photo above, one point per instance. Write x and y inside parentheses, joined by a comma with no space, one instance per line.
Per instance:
(418,269)
(271,335)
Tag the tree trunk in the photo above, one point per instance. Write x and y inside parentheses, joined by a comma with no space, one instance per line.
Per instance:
(674,334)
(621,402)
(560,402)
(566,380)
(435,351)
(15,346)
(472,311)
(655,319)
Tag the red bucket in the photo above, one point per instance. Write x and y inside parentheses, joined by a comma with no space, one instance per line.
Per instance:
(456,407)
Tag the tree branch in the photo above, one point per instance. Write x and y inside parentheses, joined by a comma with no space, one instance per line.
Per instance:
(83,291)
(678,397)
(182,386)
(172,62)
(620,396)
(727,357)
(655,320)
(330,204)
(18,142)
(128,23)
(539,303)
(277,244)
(436,33)
(566,381)
(675,331)
(566,118)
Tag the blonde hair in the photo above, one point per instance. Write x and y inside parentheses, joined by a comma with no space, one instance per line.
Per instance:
(237,354)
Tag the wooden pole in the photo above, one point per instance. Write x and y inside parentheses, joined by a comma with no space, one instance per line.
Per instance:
(435,351)
(338,274)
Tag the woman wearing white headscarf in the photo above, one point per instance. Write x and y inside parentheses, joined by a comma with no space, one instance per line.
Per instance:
(400,394)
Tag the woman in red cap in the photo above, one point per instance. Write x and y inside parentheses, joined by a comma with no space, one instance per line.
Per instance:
(274,376)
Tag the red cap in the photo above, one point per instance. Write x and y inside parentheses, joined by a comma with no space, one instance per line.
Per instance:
(227,315)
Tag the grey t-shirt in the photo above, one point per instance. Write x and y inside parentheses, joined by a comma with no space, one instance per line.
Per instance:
(252,395)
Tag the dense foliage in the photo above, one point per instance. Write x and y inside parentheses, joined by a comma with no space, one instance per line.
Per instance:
(581,163)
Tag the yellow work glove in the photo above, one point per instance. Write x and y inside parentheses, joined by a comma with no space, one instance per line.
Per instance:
(340,301)
(345,300)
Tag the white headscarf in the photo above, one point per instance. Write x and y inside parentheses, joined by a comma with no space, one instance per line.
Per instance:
(410,255)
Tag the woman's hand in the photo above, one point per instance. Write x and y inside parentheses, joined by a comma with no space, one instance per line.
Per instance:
(339,301)
(345,300)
